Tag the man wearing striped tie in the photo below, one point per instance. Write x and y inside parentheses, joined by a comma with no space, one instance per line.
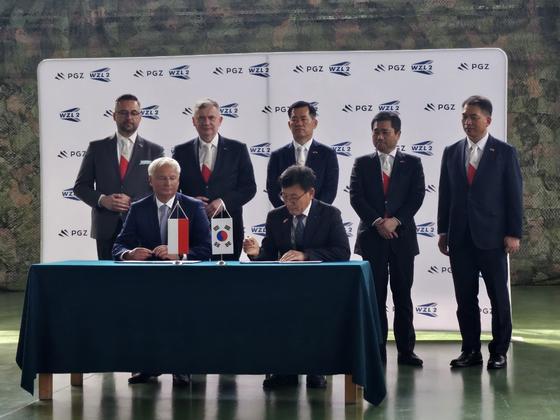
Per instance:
(386,190)
(114,173)
(480,217)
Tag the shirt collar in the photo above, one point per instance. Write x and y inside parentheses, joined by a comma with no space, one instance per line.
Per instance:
(121,138)
(480,144)
(169,203)
(214,141)
(305,145)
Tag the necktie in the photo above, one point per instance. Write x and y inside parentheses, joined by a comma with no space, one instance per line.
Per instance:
(301,156)
(473,163)
(125,156)
(164,210)
(386,167)
(299,231)
(207,163)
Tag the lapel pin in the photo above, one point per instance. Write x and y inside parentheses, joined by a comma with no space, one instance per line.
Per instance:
(285,220)
(491,149)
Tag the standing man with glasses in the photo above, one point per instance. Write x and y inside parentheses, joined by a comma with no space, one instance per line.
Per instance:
(304,150)
(480,221)
(304,229)
(114,173)
(217,170)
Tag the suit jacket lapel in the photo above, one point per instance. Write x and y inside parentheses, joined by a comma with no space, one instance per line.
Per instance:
(461,156)
(311,224)
(488,158)
(221,155)
(113,151)
(137,153)
(377,174)
(287,222)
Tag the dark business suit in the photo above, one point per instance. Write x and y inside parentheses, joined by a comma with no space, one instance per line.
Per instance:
(404,197)
(324,237)
(141,228)
(100,175)
(321,158)
(232,180)
(476,219)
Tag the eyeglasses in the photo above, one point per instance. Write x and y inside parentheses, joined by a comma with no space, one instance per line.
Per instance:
(133,114)
(290,200)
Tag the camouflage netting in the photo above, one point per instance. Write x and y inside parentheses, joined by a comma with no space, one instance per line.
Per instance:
(34,30)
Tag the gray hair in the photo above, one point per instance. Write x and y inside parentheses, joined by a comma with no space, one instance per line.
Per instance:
(206,102)
(159,162)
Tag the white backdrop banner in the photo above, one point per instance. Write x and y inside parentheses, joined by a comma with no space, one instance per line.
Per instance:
(426,87)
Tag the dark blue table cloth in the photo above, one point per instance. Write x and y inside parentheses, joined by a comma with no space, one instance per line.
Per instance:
(103,316)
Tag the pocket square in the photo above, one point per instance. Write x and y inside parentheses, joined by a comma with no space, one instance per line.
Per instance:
(145,162)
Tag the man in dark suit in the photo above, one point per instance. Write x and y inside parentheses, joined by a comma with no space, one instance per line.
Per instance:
(217,170)
(386,190)
(304,150)
(114,173)
(480,214)
(143,236)
(301,230)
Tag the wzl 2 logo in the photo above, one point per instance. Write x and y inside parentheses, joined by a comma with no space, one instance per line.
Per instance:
(151,112)
(430,107)
(427,309)
(343,149)
(69,194)
(262,150)
(181,72)
(259,229)
(423,67)
(101,75)
(342,68)
(308,69)
(72,114)
(260,70)
(474,66)
(393,106)
(426,229)
(423,148)
(230,110)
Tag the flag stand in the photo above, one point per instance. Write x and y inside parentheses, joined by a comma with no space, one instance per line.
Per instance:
(221,261)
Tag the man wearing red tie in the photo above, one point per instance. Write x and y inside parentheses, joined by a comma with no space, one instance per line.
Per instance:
(216,170)
(480,215)
(114,173)
(386,190)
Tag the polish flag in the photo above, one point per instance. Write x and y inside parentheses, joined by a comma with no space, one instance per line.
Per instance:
(178,236)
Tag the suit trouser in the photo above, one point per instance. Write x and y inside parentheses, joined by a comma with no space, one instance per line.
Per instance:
(467,261)
(383,260)
(105,246)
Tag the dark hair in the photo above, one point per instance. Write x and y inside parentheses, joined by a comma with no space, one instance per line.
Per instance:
(480,101)
(388,116)
(126,97)
(297,175)
(302,104)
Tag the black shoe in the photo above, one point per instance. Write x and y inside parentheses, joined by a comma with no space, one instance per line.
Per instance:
(141,377)
(316,381)
(468,358)
(280,380)
(409,359)
(181,379)
(497,361)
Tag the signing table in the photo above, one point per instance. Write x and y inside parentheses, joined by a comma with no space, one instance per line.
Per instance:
(102,316)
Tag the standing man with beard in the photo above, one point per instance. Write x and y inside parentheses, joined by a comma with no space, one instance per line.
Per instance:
(114,173)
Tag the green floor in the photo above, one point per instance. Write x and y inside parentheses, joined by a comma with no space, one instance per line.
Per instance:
(528,389)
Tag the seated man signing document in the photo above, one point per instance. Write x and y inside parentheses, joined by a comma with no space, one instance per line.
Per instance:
(303,229)
(144,234)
